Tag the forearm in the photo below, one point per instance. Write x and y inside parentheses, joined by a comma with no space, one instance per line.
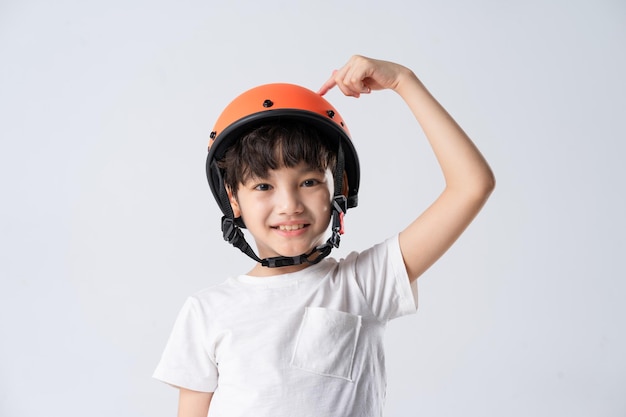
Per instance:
(462,164)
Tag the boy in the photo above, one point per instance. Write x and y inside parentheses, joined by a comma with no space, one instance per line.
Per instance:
(301,334)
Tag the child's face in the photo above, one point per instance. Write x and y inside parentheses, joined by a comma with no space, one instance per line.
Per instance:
(286,212)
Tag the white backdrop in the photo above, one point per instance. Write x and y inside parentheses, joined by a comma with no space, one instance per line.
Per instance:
(107,223)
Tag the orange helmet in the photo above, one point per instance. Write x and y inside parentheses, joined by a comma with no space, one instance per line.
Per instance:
(272,102)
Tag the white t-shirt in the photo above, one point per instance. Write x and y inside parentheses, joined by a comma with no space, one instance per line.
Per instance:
(303,344)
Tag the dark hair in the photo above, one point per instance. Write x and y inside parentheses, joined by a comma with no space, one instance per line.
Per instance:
(276,145)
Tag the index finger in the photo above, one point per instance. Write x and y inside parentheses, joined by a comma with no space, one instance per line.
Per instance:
(328,85)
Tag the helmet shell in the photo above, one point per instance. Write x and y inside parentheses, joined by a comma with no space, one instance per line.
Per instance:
(272,102)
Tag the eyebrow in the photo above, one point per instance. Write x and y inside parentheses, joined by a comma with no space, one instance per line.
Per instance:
(302,170)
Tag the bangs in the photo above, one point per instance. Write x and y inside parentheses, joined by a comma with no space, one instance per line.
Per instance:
(274,146)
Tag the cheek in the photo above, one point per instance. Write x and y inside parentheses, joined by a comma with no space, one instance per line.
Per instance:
(323,205)
(252,207)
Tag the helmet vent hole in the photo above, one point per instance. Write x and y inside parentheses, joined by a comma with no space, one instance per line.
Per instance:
(268,103)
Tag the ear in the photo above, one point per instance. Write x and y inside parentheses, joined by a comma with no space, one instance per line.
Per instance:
(234,204)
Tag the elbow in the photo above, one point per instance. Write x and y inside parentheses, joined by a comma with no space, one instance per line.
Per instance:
(475,187)
(481,187)
(486,186)
(489,183)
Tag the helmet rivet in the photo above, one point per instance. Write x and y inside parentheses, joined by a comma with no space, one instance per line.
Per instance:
(268,103)
(213,134)
(330,113)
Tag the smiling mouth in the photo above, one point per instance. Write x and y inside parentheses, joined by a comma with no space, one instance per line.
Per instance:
(290,227)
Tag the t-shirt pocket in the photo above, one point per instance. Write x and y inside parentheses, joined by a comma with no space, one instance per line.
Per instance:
(326,342)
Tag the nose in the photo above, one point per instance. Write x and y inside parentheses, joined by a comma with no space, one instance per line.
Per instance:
(289,201)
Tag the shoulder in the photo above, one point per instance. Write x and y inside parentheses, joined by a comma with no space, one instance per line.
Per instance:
(215,295)
(376,262)
(383,252)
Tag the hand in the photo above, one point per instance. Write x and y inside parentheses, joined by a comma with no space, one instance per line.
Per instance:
(361,75)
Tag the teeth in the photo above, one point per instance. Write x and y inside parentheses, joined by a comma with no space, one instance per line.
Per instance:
(290,227)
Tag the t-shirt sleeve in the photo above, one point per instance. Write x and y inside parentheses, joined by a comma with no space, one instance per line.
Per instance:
(382,277)
(186,362)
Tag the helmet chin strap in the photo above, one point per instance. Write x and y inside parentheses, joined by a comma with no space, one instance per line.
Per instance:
(233,235)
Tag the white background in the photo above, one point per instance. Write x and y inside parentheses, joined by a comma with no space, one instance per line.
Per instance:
(107,223)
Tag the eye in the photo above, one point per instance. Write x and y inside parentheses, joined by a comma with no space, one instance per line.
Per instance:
(312,182)
(262,187)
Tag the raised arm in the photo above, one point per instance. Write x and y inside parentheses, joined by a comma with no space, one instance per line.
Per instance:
(469,180)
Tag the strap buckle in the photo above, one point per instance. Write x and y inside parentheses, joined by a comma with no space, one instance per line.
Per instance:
(230,231)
